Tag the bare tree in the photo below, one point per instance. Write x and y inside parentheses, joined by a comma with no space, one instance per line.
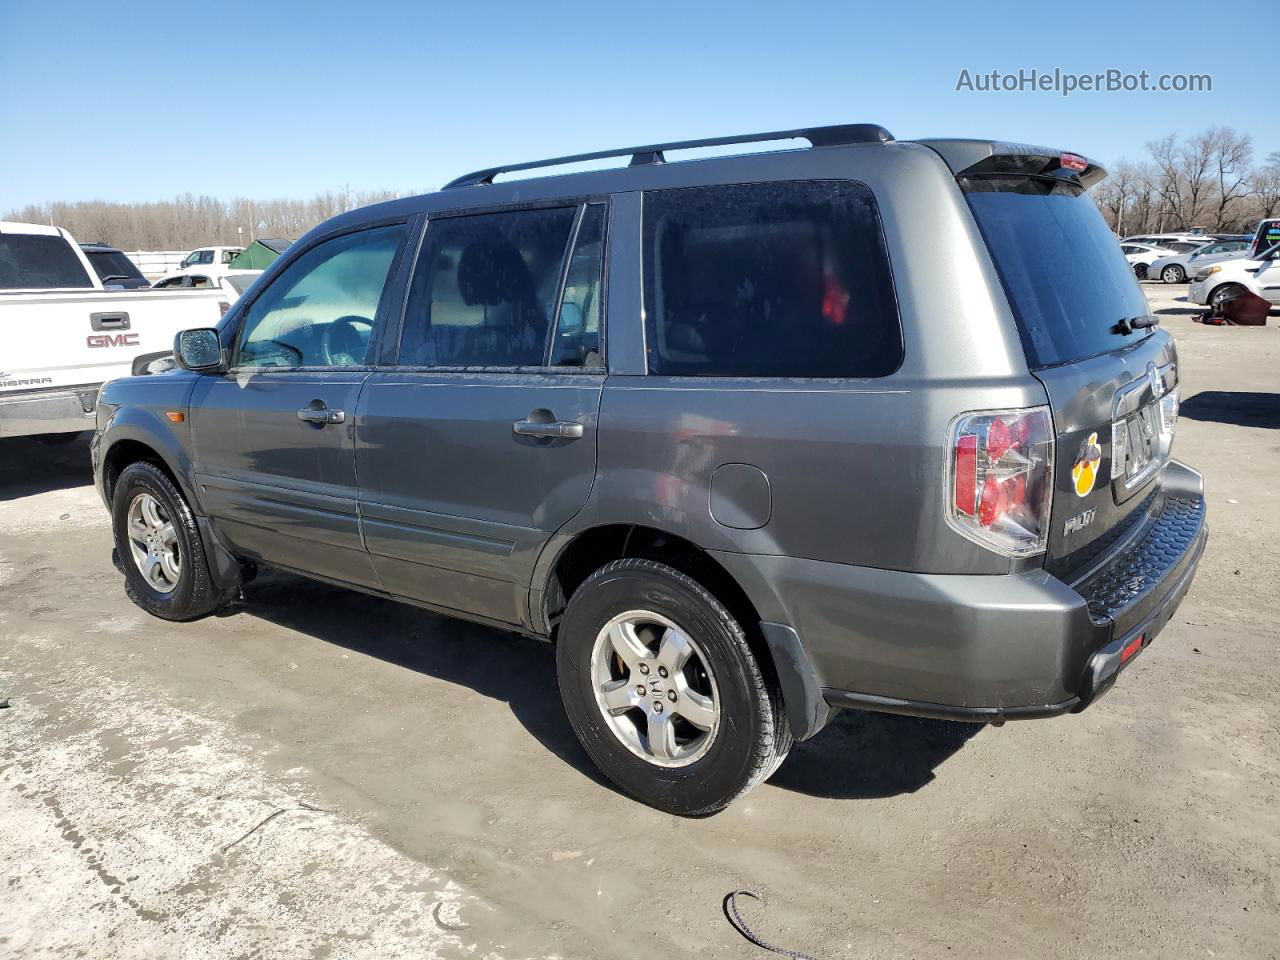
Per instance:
(1264,188)
(1185,176)
(189,221)
(1230,156)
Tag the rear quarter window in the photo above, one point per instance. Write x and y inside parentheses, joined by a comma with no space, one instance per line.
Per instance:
(787,279)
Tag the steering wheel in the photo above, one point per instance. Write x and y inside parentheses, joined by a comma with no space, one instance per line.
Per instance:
(341,344)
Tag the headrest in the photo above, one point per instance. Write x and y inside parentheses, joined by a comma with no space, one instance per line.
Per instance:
(491,271)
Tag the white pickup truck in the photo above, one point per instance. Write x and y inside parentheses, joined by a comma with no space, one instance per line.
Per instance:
(64,335)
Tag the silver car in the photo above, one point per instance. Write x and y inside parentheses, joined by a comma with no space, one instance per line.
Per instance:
(1176,269)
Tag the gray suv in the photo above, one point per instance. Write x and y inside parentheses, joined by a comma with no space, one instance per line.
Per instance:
(869,424)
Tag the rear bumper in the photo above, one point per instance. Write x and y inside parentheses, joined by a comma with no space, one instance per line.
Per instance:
(985,648)
(67,410)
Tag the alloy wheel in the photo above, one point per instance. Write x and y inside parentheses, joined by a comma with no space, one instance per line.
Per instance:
(153,541)
(654,688)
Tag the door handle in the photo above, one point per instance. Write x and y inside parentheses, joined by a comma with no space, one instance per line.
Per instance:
(109,320)
(557,429)
(321,415)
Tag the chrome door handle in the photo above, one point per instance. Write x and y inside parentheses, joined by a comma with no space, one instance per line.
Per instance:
(558,429)
(321,416)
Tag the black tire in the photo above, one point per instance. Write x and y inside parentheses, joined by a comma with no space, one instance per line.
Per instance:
(194,594)
(752,739)
(1173,274)
(1140,271)
(1220,295)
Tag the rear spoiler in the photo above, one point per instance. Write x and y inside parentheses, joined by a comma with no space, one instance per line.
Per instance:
(974,158)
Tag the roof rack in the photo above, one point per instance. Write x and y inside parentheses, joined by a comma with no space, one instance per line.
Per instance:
(653,153)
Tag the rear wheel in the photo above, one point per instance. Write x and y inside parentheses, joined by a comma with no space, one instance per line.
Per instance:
(1173,274)
(159,546)
(663,689)
(1140,271)
(1221,295)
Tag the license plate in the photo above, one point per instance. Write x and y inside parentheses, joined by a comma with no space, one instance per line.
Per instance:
(1140,443)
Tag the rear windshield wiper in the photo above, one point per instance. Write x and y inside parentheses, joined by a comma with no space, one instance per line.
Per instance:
(1127,325)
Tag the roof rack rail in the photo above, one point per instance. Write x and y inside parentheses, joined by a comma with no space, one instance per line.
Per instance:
(653,153)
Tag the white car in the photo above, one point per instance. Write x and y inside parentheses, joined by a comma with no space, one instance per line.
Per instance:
(1177,268)
(1221,282)
(1142,255)
(233,283)
(64,335)
(1166,239)
(210,261)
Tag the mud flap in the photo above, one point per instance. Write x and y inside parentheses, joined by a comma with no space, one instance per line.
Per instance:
(224,568)
(807,710)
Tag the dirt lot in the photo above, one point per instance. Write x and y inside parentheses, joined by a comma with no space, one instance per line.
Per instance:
(417,793)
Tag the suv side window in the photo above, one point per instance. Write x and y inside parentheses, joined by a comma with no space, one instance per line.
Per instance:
(484,289)
(786,279)
(576,342)
(319,312)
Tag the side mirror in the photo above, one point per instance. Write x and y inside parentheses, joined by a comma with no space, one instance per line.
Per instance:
(149,363)
(198,350)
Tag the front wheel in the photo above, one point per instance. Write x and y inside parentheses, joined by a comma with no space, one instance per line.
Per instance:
(1220,296)
(663,689)
(1173,274)
(159,546)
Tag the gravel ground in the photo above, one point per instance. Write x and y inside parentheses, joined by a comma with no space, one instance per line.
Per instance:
(321,774)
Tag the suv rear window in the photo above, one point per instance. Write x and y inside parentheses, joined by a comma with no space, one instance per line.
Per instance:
(28,260)
(785,279)
(113,263)
(1066,277)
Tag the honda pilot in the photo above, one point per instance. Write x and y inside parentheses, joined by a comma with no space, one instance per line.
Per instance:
(750,438)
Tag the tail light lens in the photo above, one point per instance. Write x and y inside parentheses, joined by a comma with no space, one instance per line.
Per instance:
(1000,486)
(223,307)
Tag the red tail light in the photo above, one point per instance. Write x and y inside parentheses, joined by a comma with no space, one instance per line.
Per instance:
(1072,161)
(1132,647)
(1001,479)
(223,307)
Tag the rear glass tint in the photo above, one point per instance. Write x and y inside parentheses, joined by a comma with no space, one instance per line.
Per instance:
(113,263)
(785,279)
(36,261)
(1064,272)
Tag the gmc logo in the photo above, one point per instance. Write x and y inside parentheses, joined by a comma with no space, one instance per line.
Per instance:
(112,340)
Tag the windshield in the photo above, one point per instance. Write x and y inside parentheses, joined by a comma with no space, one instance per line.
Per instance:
(38,261)
(1268,236)
(1066,277)
(113,263)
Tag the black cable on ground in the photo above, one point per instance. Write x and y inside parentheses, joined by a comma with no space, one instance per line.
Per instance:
(730,907)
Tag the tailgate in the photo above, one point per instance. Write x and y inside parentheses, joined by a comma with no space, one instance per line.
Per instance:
(75,339)
(1110,372)
(1113,415)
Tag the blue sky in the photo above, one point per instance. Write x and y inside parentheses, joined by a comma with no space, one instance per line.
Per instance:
(136,101)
